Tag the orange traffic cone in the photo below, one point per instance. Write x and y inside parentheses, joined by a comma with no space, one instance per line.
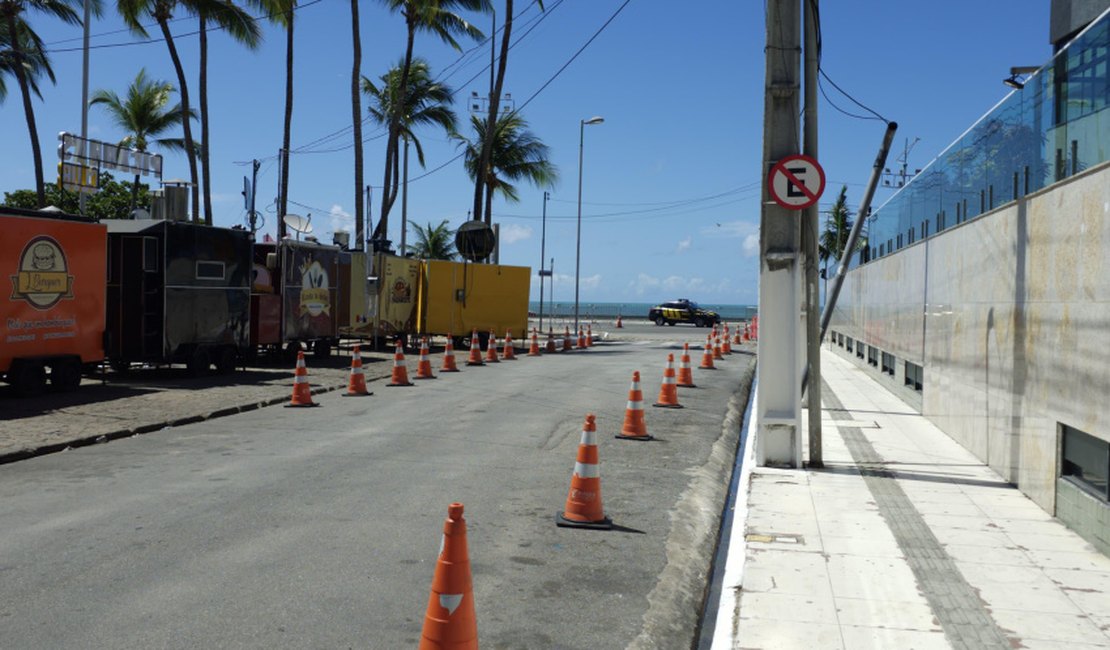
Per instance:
(581,343)
(726,346)
(717,349)
(449,356)
(475,351)
(707,357)
(583,508)
(755,327)
(747,332)
(634,426)
(508,352)
(400,376)
(424,366)
(620,325)
(491,349)
(589,336)
(668,391)
(736,336)
(302,394)
(550,342)
(534,349)
(685,374)
(566,339)
(449,621)
(356,385)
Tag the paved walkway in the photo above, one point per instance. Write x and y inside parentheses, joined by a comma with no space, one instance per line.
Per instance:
(903,540)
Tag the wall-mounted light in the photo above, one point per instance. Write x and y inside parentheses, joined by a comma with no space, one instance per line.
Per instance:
(1013,82)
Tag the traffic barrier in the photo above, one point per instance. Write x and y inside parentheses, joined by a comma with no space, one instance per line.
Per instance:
(589,336)
(424,365)
(449,620)
(491,349)
(508,353)
(583,508)
(302,393)
(400,375)
(475,351)
(356,385)
(449,356)
(668,391)
(685,374)
(534,349)
(566,339)
(707,357)
(634,428)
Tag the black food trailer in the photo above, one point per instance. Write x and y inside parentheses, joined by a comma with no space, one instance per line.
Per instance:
(296,298)
(177,293)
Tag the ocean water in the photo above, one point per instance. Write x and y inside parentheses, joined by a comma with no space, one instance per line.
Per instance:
(631,309)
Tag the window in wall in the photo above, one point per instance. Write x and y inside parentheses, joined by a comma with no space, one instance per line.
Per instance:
(207,270)
(888,363)
(899,240)
(840,339)
(848,343)
(1086,460)
(873,356)
(860,350)
(914,375)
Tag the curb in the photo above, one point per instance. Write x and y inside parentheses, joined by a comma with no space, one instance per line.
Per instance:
(25,454)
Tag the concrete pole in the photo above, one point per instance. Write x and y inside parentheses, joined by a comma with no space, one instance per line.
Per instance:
(84,98)
(810,237)
(778,396)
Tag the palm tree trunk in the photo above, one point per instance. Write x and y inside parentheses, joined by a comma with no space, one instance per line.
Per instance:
(389,187)
(288,119)
(183,89)
(356,117)
(134,195)
(491,123)
(203,90)
(28,110)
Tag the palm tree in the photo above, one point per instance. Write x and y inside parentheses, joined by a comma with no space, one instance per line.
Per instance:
(433,242)
(221,12)
(144,116)
(282,13)
(439,18)
(36,62)
(20,35)
(427,103)
(515,153)
(243,29)
(838,227)
(356,120)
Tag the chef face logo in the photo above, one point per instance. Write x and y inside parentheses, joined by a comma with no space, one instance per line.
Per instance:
(315,299)
(42,276)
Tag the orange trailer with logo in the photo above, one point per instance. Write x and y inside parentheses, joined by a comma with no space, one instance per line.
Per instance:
(54,266)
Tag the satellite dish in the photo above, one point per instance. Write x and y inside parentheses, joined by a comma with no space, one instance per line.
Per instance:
(140,213)
(298,223)
(475,240)
(52,209)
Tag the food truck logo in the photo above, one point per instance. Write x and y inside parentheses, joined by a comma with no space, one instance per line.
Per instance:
(42,277)
(401,292)
(314,289)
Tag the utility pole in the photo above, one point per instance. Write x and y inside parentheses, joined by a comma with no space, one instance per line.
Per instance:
(809,236)
(899,178)
(84,97)
(780,340)
(254,192)
(543,252)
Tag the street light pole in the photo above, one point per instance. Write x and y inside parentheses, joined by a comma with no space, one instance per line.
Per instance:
(578,239)
(543,240)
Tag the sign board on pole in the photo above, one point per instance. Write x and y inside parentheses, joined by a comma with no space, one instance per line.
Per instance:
(796,182)
(78,178)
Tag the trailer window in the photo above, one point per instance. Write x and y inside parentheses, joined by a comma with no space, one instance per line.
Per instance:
(150,254)
(210,270)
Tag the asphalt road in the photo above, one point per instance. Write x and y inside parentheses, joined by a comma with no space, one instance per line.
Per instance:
(320,527)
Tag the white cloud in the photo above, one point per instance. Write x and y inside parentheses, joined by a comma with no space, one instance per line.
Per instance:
(643,283)
(751,245)
(513,233)
(684,245)
(340,219)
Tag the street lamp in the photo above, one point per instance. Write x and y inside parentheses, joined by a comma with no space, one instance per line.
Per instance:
(578,239)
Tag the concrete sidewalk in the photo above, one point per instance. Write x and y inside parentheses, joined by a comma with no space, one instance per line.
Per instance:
(903,540)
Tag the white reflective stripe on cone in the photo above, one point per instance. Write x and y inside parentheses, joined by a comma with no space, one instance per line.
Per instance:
(450,602)
(589,438)
(300,379)
(582,470)
(638,406)
(356,371)
(670,380)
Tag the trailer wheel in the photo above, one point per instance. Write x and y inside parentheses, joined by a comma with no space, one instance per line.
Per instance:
(199,362)
(322,349)
(28,378)
(291,350)
(225,362)
(65,374)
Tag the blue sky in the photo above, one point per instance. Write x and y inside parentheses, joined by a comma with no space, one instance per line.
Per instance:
(671,179)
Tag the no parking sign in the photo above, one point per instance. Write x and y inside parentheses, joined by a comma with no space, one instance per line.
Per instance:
(796,182)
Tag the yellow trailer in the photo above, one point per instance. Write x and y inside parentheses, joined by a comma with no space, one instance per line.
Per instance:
(457,297)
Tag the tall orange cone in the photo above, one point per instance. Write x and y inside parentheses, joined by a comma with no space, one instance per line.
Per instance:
(356,385)
(736,336)
(566,339)
(589,336)
(726,344)
(550,342)
(747,332)
(717,349)
(475,351)
(424,365)
(581,343)
(400,376)
(620,325)
(491,349)
(449,621)
(583,508)
(534,349)
(302,394)
(707,357)
(449,356)
(508,353)
(668,391)
(634,427)
(685,374)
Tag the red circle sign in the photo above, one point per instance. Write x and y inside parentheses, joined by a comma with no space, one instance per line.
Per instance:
(796,182)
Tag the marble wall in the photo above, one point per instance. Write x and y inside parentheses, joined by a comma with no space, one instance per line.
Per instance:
(1010,316)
